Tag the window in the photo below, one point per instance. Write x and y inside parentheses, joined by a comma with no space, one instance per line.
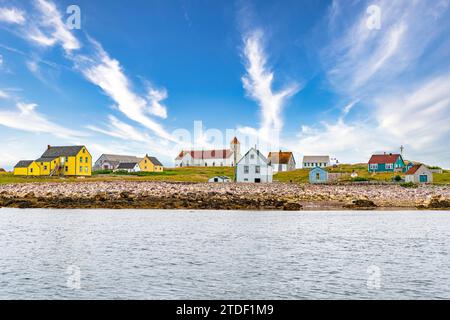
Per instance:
(45,168)
(31,170)
(86,169)
(245,179)
(87,160)
(84,150)
(246,169)
(257,169)
(317,176)
(252,156)
(389,166)
(81,169)
(66,168)
(81,159)
(373,166)
(67,159)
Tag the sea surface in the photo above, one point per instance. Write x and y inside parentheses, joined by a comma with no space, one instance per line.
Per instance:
(152,254)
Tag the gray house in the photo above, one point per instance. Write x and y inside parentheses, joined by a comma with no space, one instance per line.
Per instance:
(310,162)
(254,167)
(112,161)
(419,173)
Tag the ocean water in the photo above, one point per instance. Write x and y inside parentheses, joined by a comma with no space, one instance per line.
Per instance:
(150,254)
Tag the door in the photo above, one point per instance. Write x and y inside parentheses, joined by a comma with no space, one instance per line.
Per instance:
(257,180)
(423,178)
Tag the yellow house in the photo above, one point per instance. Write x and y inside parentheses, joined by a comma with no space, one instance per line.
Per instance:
(26,168)
(60,161)
(150,164)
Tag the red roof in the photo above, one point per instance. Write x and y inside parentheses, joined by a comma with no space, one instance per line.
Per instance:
(207,154)
(413,169)
(383,158)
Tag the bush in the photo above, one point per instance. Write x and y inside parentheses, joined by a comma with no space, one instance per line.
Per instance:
(102,172)
(397,178)
(409,185)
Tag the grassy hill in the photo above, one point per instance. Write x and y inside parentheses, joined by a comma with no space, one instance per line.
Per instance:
(202,174)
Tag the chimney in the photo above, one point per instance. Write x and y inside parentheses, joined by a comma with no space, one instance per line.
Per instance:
(48,147)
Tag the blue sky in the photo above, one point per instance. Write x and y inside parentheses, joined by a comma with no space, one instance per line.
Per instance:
(313,77)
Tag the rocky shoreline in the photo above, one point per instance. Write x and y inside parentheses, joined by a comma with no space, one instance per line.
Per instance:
(173,195)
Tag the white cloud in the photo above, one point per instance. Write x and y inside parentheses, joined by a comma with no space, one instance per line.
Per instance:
(121,130)
(3,94)
(51,29)
(258,84)
(12,15)
(154,99)
(26,118)
(107,73)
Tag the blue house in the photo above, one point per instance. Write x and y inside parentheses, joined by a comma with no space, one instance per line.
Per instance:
(318,175)
(387,162)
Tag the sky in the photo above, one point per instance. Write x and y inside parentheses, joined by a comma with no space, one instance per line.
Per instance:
(339,78)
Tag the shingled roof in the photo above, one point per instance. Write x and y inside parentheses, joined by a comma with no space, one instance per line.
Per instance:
(383,158)
(207,154)
(23,163)
(120,158)
(155,161)
(127,165)
(280,157)
(55,152)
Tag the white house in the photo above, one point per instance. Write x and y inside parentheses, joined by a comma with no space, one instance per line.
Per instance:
(210,158)
(128,166)
(310,162)
(254,167)
(419,173)
(219,179)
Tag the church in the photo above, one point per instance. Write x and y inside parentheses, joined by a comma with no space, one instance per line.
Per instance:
(210,158)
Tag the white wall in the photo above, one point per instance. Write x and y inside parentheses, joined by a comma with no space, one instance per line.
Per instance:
(252,160)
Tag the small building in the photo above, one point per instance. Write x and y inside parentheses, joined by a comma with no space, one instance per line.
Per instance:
(281,161)
(387,162)
(150,164)
(254,167)
(210,158)
(112,161)
(419,173)
(310,162)
(26,168)
(59,161)
(318,175)
(221,179)
(128,167)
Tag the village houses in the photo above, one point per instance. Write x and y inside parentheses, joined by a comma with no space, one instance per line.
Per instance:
(310,162)
(58,161)
(281,161)
(124,162)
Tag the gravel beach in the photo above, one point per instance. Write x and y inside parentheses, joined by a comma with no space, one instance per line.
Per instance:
(229,196)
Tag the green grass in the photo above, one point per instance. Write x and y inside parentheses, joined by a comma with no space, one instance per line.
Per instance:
(202,174)
(189,174)
(302,175)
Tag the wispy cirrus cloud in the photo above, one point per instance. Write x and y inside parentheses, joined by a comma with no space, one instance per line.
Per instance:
(121,130)
(258,83)
(12,15)
(25,117)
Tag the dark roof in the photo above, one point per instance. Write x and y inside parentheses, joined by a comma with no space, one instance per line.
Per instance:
(280,157)
(126,165)
(41,159)
(55,152)
(383,158)
(155,161)
(23,163)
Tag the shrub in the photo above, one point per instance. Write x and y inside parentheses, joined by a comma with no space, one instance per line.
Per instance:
(359,179)
(397,178)
(102,172)
(409,185)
